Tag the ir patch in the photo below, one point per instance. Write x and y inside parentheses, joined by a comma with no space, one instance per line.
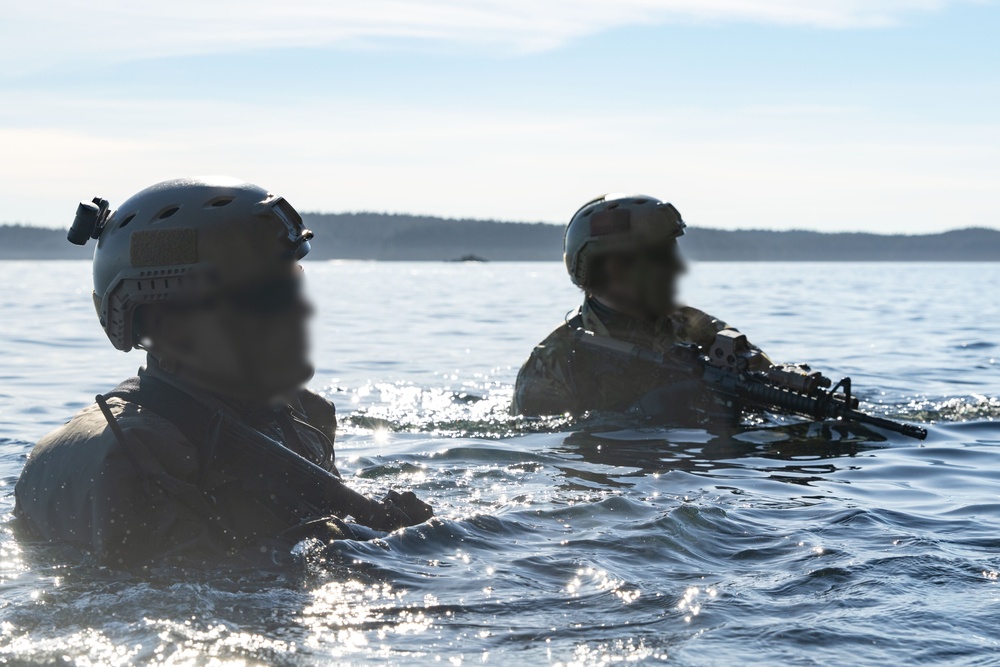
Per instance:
(163,247)
(612,221)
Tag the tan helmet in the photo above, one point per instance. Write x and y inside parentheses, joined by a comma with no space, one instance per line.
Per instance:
(615,223)
(182,239)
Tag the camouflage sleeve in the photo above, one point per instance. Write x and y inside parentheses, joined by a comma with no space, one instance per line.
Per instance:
(544,384)
(699,327)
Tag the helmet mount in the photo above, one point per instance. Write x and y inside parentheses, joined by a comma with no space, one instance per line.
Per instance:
(89,221)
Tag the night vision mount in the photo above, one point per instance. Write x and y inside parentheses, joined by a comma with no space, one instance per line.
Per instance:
(89,221)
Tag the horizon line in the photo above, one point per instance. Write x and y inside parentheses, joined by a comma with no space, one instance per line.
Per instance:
(562,224)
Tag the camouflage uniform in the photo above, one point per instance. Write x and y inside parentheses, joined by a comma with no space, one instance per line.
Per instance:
(80,485)
(562,377)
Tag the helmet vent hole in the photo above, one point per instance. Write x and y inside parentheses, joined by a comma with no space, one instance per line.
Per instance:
(168,212)
(612,206)
(220,202)
(640,202)
(126,221)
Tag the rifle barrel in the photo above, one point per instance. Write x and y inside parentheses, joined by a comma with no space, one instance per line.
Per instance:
(909,430)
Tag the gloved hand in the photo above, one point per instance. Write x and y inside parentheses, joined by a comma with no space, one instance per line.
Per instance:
(417,510)
(397,510)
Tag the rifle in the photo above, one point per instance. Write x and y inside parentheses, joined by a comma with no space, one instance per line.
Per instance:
(726,370)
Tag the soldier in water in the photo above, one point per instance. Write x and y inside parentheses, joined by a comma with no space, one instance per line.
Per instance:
(622,252)
(215,448)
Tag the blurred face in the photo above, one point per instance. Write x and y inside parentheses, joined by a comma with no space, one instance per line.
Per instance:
(644,283)
(249,343)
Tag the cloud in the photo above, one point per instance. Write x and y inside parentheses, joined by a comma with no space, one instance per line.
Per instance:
(40,33)
(815,167)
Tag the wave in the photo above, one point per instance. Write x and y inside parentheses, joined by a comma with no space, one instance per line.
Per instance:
(483,412)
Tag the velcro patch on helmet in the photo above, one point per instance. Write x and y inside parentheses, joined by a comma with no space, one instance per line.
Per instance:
(612,221)
(163,247)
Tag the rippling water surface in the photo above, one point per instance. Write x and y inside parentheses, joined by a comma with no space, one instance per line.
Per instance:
(789,543)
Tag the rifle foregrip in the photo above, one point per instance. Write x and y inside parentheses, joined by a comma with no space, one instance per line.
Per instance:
(770,396)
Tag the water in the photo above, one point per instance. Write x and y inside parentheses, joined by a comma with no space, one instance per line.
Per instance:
(555,545)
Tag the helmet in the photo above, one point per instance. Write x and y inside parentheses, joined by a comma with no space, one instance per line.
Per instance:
(182,239)
(616,223)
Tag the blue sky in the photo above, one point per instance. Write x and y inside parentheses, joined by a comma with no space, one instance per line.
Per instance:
(836,115)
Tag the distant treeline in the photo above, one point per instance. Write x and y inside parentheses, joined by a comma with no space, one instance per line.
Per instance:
(406,237)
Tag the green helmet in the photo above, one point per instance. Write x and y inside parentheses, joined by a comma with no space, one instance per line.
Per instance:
(615,223)
(183,239)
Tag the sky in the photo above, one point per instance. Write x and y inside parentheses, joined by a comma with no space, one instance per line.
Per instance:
(830,115)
